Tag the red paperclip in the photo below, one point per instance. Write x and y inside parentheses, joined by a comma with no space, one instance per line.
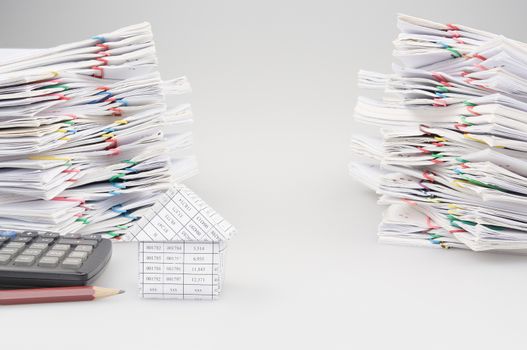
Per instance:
(428,175)
(481,57)
(101,71)
(61,97)
(471,110)
(438,102)
(115,151)
(112,141)
(103,46)
(423,150)
(459,126)
(440,78)
(480,66)
(429,223)
(421,128)
(103,60)
(117,112)
(66,199)
(456,231)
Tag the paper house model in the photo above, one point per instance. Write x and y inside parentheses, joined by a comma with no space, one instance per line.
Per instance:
(182,245)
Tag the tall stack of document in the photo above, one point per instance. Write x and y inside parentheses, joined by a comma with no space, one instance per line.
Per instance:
(87,143)
(452,161)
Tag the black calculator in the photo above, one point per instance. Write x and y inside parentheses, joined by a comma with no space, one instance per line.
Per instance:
(44,259)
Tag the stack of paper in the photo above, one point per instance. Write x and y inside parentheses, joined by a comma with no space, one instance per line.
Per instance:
(87,143)
(452,161)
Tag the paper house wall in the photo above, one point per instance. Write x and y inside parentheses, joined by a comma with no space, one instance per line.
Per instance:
(182,244)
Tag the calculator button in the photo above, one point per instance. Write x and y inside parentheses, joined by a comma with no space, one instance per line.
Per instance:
(48,261)
(48,235)
(84,248)
(23,239)
(5,233)
(80,255)
(33,252)
(72,263)
(44,240)
(61,247)
(38,246)
(24,260)
(30,233)
(4,259)
(73,235)
(15,245)
(95,237)
(9,251)
(56,253)
(78,241)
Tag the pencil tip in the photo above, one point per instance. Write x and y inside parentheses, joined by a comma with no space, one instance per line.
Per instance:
(120,291)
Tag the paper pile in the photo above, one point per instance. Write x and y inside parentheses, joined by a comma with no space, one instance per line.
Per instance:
(86,141)
(452,161)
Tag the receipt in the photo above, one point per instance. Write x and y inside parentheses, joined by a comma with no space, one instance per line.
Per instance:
(182,247)
(181,270)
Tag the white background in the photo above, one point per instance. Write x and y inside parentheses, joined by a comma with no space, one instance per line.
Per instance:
(274,89)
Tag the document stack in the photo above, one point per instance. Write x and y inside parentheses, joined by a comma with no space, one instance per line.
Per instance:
(451,164)
(87,143)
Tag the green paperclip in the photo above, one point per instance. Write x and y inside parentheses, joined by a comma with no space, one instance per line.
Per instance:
(494,227)
(464,120)
(479,183)
(117,177)
(83,220)
(63,86)
(454,52)
(453,219)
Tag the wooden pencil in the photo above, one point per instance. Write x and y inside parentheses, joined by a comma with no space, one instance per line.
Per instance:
(54,295)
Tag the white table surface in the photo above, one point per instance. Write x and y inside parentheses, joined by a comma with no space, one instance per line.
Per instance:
(274,89)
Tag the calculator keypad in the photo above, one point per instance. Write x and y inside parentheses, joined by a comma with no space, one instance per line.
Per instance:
(45,250)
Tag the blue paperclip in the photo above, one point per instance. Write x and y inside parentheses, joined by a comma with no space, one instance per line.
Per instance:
(118,185)
(130,216)
(118,209)
(99,38)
